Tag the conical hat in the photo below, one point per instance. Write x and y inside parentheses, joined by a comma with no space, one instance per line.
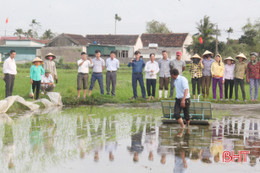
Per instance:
(229,58)
(241,55)
(195,56)
(50,54)
(37,59)
(207,53)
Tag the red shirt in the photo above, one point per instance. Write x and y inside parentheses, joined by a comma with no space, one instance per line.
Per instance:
(253,71)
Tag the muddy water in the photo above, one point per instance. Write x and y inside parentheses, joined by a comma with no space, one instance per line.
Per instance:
(103,139)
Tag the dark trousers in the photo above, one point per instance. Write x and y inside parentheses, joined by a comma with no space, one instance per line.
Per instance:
(195,82)
(82,78)
(205,84)
(178,108)
(164,83)
(172,87)
(111,77)
(151,83)
(9,84)
(138,77)
(99,77)
(37,85)
(229,85)
(242,86)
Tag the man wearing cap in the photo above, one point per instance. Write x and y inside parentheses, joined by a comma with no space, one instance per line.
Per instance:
(50,65)
(83,70)
(137,65)
(253,75)
(182,100)
(240,70)
(206,72)
(9,69)
(98,67)
(178,64)
(112,65)
(47,82)
(164,74)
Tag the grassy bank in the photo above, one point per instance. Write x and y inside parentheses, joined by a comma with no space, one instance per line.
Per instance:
(67,86)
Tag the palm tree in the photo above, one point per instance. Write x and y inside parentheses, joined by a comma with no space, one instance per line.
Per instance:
(29,33)
(117,18)
(48,34)
(19,32)
(229,31)
(35,26)
(206,29)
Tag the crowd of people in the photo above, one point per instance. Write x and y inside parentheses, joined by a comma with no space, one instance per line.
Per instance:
(204,70)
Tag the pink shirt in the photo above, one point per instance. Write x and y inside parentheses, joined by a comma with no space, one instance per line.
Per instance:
(229,72)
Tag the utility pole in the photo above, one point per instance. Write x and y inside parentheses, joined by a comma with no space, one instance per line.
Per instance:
(216,39)
(117,18)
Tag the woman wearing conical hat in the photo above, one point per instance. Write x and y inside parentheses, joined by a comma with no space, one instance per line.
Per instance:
(228,78)
(253,75)
(35,75)
(240,71)
(206,72)
(196,73)
(217,71)
(50,65)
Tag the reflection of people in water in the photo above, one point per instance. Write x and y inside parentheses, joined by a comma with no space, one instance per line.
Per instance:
(111,149)
(181,154)
(136,145)
(151,144)
(205,155)
(49,134)
(216,148)
(8,145)
(36,137)
(82,136)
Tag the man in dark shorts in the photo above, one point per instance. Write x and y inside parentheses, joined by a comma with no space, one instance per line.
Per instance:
(182,97)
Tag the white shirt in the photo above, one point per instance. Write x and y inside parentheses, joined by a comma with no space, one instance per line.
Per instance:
(229,72)
(84,68)
(151,66)
(181,84)
(112,65)
(98,65)
(9,66)
(48,79)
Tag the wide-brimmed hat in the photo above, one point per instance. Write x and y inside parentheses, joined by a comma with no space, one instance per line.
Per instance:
(229,58)
(47,71)
(207,53)
(195,56)
(241,55)
(253,54)
(37,59)
(50,54)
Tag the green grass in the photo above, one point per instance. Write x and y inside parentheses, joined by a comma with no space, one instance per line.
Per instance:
(67,86)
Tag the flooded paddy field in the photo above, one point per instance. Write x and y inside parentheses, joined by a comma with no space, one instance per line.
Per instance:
(121,139)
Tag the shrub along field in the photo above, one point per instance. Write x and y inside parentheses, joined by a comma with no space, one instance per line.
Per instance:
(67,86)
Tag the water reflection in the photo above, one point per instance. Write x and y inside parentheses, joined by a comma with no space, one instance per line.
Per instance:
(50,142)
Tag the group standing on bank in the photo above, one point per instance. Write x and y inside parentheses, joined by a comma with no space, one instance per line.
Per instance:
(204,70)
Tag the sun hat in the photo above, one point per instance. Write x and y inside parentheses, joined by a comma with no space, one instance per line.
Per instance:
(47,71)
(253,54)
(37,59)
(50,54)
(207,53)
(195,56)
(241,55)
(229,58)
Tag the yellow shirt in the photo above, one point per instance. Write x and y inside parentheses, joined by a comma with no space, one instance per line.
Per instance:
(217,69)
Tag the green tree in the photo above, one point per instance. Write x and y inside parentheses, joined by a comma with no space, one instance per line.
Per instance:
(206,30)
(19,32)
(35,26)
(117,18)
(47,35)
(29,33)
(229,31)
(154,26)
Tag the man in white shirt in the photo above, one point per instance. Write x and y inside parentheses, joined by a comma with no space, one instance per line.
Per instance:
(9,70)
(47,82)
(151,69)
(83,69)
(112,65)
(98,67)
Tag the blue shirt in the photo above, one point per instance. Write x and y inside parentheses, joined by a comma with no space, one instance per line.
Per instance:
(206,71)
(181,84)
(137,66)
(36,73)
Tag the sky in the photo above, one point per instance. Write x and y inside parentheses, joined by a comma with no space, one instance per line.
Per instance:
(97,16)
